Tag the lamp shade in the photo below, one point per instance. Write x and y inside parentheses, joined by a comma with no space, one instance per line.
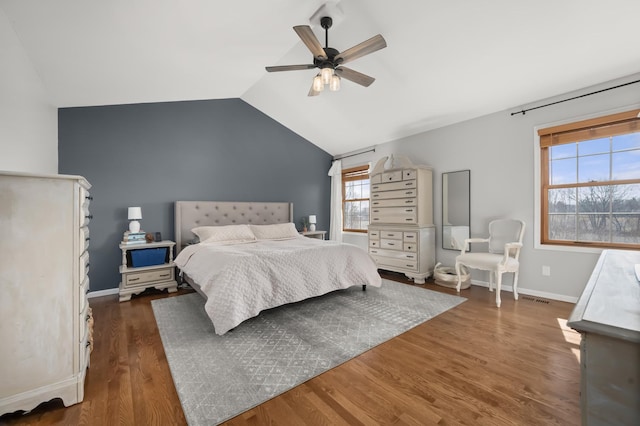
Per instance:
(134,213)
(312,218)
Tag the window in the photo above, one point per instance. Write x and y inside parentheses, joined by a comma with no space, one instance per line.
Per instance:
(355,199)
(590,182)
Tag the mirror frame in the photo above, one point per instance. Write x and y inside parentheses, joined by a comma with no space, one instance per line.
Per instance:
(445,206)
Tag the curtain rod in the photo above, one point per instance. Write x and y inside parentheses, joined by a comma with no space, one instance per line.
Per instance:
(340,157)
(575,97)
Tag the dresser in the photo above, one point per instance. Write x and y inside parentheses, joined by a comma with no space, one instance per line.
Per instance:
(401,233)
(607,316)
(45,319)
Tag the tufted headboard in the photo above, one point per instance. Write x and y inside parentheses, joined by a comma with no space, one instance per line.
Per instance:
(190,214)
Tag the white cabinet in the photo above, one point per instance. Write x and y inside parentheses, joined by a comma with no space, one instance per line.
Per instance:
(401,231)
(135,280)
(45,323)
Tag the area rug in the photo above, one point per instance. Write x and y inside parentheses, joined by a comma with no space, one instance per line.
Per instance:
(219,377)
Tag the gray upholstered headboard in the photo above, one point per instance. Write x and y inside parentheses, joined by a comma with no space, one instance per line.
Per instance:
(190,214)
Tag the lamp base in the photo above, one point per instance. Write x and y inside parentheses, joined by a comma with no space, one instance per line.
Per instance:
(312,227)
(134,226)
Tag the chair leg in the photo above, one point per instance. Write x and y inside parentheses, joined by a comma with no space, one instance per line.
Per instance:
(515,284)
(459,277)
(490,280)
(498,285)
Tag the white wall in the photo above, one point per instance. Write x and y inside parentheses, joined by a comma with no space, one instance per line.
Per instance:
(499,150)
(28,122)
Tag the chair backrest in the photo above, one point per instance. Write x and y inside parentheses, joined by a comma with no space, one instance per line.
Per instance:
(502,231)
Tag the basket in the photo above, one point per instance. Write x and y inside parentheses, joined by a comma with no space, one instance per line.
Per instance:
(446,276)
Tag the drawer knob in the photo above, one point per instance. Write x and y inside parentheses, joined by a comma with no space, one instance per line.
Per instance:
(134,279)
(89,216)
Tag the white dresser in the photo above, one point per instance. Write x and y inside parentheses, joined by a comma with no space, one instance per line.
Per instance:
(45,319)
(401,232)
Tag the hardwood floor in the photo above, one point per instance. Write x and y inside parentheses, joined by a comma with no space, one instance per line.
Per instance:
(474,364)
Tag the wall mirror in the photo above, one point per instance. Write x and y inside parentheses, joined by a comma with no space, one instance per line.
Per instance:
(456,209)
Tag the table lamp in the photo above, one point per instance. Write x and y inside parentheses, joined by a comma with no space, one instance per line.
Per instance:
(134,214)
(312,222)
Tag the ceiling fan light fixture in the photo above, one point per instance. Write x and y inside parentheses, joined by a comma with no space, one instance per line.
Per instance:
(326,74)
(318,84)
(334,86)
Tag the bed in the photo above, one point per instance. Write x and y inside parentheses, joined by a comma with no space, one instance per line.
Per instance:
(248,257)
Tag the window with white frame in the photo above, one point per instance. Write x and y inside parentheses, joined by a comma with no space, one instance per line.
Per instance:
(590,182)
(355,199)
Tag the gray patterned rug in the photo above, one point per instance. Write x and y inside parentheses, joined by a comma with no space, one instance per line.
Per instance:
(219,377)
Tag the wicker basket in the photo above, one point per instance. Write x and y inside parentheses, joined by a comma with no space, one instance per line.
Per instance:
(446,276)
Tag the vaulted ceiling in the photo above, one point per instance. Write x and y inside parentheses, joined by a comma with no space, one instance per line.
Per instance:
(446,61)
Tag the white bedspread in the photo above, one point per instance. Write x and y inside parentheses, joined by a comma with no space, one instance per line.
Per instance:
(241,280)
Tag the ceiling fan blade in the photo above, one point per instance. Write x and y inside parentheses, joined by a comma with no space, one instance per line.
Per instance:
(309,38)
(369,46)
(290,67)
(313,92)
(355,76)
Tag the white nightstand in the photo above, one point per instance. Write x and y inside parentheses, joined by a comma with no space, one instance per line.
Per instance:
(314,234)
(136,280)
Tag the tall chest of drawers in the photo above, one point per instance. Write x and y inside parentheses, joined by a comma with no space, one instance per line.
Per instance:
(45,318)
(401,232)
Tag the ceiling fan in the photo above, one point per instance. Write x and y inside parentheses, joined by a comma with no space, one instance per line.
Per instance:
(330,60)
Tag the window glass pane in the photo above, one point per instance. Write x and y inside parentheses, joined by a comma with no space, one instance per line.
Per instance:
(626,165)
(628,141)
(348,190)
(593,168)
(595,199)
(365,189)
(626,228)
(357,190)
(563,151)
(356,214)
(562,227)
(596,146)
(593,227)
(562,171)
(562,200)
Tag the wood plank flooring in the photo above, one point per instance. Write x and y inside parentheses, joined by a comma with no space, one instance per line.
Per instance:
(474,364)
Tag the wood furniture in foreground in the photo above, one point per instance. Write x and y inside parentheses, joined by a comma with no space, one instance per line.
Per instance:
(402,237)
(45,319)
(608,317)
(135,280)
(516,365)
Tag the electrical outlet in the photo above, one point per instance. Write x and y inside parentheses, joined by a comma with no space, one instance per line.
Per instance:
(546,271)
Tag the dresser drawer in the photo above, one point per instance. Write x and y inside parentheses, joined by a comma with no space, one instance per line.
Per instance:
(410,236)
(135,278)
(84,266)
(376,178)
(393,186)
(374,235)
(84,238)
(374,243)
(394,202)
(391,244)
(402,264)
(394,176)
(394,215)
(409,174)
(398,193)
(392,235)
(393,254)
(82,293)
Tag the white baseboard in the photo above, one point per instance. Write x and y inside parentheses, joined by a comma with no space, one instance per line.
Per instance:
(100,293)
(544,294)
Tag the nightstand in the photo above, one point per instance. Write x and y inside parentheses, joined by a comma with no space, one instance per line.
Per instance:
(314,234)
(134,280)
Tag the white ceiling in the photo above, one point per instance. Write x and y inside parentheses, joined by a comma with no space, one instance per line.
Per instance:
(446,61)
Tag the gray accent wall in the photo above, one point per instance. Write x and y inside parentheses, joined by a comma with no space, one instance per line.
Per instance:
(151,155)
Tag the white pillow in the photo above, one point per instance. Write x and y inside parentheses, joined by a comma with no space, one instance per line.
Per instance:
(278,231)
(235,233)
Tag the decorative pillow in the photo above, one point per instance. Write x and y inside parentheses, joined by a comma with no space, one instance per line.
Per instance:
(278,231)
(236,233)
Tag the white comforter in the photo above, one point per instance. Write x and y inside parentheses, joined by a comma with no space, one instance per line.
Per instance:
(241,280)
